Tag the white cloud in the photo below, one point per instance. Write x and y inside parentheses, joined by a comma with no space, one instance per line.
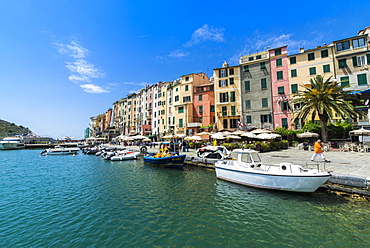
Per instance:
(206,33)
(90,88)
(178,54)
(74,49)
(84,69)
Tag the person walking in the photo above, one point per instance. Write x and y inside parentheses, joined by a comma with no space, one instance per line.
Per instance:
(317,150)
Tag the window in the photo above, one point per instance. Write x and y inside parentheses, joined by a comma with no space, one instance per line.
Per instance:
(186,87)
(247,85)
(265,102)
(222,83)
(342,46)
(231,71)
(212,108)
(224,97)
(313,71)
(324,54)
(186,79)
(279,75)
(181,123)
(186,99)
(232,96)
(248,104)
(224,122)
(180,110)
(326,68)
(231,81)
(224,110)
(200,98)
(200,108)
(177,89)
(361,79)
(234,123)
(344,81)
(266,118)
(356,43)
(263,83)
(246,68)
(258,57)
(358,60)
(263,65)
(277,51)
(311,56)
(284,106)
(233,111)
(223,73)
(251,58)
(293,73)
(281,90)
(177,98)
(284,122)
(279,62)
(342,63)
(293,60)
(248,119)
(294,88)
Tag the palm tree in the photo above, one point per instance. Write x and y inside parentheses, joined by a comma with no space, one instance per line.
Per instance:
(323,99)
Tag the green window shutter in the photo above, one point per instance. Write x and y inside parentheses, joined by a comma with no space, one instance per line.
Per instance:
(246,68)
(344,81)
(262,65)
(279,62)
(368,58)
(293,60)
(326,68)
(232,96)
(263,83)
(342,63)
(293,73)
(294,88)
(180,123)
(281,90)
(279,75)
(313,71)
(354,61)
(284,122)
(264,103)
(247,85)
(248,104)
(249,119)
(361,79)
(233,112)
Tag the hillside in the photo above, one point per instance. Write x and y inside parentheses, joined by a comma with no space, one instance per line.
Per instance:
(7,128)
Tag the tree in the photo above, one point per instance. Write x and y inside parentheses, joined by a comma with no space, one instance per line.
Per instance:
(323,99)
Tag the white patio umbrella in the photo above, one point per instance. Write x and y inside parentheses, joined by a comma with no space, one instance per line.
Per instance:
(249,135)
(168,136)
(179,135)
(91,138)
(239,132)
(193,138)
(203,133)
(360,132)
(257,131)
(268,136)
(217,136)
(307,135)
(139,137)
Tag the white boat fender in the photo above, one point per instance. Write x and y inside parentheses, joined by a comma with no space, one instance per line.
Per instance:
(284,166)
(143,149)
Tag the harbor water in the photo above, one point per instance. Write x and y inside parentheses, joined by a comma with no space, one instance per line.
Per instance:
(85,201)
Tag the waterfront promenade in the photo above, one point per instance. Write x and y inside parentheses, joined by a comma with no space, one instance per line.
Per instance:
(347,168)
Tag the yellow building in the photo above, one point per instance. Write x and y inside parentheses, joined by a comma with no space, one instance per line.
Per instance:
(227,96)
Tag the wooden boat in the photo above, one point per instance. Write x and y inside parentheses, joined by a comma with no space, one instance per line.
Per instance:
(249,171)
(170,161)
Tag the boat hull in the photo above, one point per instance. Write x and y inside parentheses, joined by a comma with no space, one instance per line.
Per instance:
(11,146)
(129,156)
(295,183)
(169,162)
(60,151)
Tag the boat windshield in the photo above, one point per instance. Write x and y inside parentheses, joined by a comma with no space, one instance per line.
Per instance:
(255,157)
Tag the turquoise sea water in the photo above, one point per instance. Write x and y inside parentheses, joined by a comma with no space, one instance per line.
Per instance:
(84,201)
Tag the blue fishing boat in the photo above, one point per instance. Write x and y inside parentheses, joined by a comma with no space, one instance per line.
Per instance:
(175,161)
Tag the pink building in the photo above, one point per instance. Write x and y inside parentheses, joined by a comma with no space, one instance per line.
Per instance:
(280,87)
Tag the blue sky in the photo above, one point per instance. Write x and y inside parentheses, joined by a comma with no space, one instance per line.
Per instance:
(62,62)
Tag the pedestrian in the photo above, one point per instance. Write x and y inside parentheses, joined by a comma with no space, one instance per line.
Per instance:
(317,149)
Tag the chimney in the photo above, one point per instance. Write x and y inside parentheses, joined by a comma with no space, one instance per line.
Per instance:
(301,50)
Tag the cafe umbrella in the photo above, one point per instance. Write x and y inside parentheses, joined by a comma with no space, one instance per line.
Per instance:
(360,132)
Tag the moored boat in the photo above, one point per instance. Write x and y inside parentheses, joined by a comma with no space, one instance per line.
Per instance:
(248,170)
(126,155)
(216,152)
(58,150)
(165,160)
(11,143)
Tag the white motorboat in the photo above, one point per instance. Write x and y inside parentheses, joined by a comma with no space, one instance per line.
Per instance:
(58,150)
(10,143)
(216,152)
(126,155)
(248,170)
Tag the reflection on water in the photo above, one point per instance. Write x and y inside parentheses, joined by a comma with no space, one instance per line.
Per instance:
(85,201)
